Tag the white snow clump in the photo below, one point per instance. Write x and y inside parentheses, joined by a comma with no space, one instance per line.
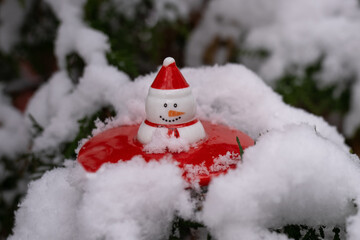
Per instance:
(291,176)
(162,142)
(127,200)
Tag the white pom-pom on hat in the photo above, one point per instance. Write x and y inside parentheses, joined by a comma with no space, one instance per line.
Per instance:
(168,61)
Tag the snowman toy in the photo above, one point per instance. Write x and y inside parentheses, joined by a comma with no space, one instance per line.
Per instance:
(171,109)
(171,105)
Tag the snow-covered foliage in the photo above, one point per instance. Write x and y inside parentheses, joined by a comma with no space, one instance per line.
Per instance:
(74,35)
(295,33)
(58,104)
(88,96)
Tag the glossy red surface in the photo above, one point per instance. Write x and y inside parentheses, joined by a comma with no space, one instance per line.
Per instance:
(120,143)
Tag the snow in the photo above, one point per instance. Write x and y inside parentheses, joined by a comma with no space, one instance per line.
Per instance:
(44,104)
(193,172)
(249,104)
(74,35)
(223,162)
(296,33)
(48,210)
(71,103)
(132,200)
(291,176)
(162,142)
(88,96)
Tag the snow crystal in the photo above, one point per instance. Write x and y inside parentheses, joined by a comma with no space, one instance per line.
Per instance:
(193,172)
(223,162)
(292,176)
(128,200)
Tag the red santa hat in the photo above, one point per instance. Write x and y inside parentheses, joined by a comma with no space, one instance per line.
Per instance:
(169,77)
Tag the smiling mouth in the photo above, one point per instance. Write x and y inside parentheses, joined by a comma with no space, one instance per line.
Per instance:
(170,120)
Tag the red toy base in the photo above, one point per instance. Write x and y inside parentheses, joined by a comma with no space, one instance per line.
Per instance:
(120,143)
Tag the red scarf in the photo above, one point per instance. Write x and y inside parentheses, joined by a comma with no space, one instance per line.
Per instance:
(172,128)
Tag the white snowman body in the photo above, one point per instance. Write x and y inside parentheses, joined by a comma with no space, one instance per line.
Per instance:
(173,110)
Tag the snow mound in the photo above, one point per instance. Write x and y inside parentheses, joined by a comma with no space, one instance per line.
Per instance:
(291,176)
(132,200)
(47,212)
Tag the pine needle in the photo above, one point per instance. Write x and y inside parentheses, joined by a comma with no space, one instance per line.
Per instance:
(240,147)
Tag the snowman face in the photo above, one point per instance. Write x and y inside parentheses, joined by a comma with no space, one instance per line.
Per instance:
(170,108)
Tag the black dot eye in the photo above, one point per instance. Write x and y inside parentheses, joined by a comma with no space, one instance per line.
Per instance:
(165,104)
(175,105)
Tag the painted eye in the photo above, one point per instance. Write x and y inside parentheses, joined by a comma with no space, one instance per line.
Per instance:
(165,104)
(175,105)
